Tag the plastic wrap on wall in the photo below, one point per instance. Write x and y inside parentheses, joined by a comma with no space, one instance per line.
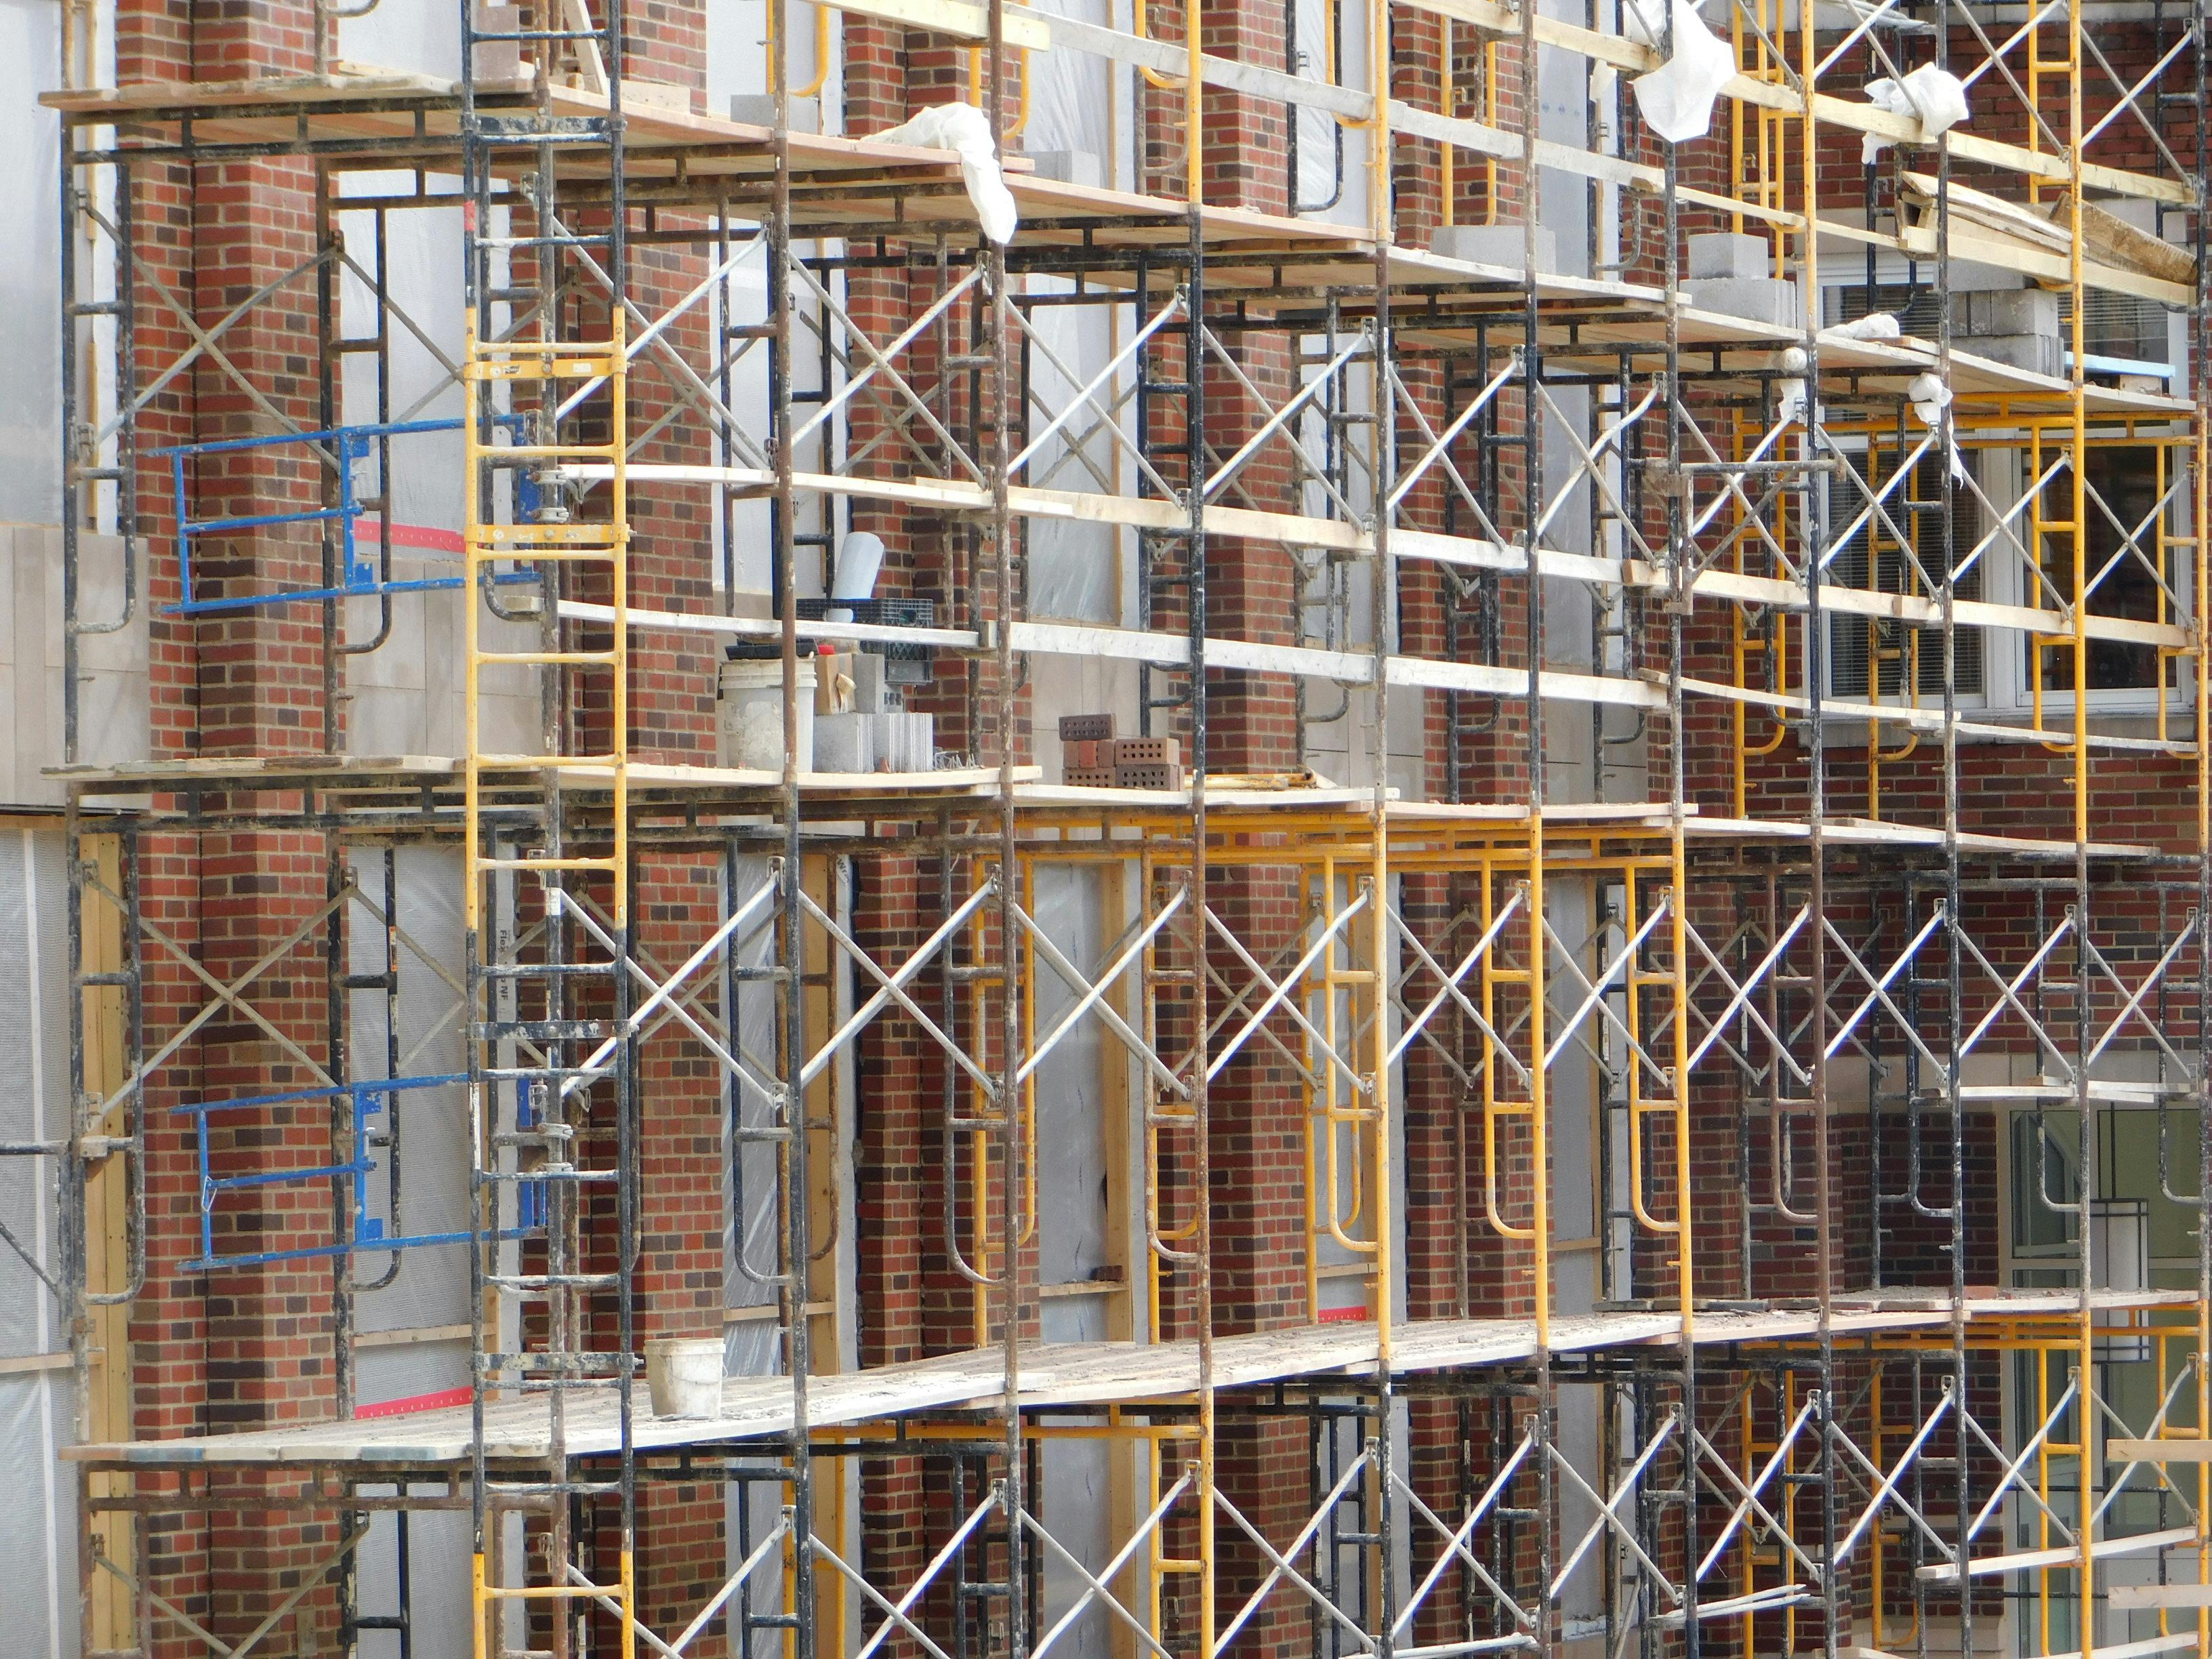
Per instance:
(37,1525)
(438,1542)
(30,267)
(1071,1103)
(1331,182)
(1072,94)
(37,1413)
(34,1098)
(749,1219)
(1075,1500)
(431,1286)
(1073,564)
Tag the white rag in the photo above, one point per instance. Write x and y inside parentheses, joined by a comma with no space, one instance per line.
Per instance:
(963,129)
(1936,96)
(1790,392)
(1677,98)
(1928,397)
(1875,325)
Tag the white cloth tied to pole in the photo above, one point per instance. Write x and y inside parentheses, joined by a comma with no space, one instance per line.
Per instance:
(1928,397)
(963,130)
(1936,96)
(1676,99)
(1789,392)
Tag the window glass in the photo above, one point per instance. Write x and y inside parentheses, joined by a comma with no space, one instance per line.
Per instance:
(2122,556)
(1900,656)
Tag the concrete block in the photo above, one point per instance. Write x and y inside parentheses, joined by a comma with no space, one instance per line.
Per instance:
(498,60)
(844,743)
(868,683)
(2011,311)
(1727,255)
(1761,300)
(905,743)
(1496,244)
(1069,167)
(758,109)
(2038,354)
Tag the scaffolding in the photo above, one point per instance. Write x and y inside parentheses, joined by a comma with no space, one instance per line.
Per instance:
(1555,1381)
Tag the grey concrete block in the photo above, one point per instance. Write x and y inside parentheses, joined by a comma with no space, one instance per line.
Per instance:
(1069,167)
(844,743)
(905,743)
(868,683)
(1727,255)
(1761,300)
(2038,354)
(2011,311)
(758,109)
(1496,244)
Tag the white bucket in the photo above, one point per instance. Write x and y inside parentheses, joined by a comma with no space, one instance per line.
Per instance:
(751,715)
(684,1374)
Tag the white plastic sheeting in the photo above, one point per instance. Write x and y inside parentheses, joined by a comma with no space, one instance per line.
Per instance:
(438,1542)
(749,1238)
(1875,325)
(1072,1106)
(1078,102)
(1074,1192)
(1790,394)
(1935,97)
(30,267)
(432,1285)
(431,1288)
(1930,398)
(38,1413)
(965,130)
(1336,190)
(1677,98)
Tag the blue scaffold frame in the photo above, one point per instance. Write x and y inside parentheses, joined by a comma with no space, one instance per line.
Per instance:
(358,575)
(368,1098)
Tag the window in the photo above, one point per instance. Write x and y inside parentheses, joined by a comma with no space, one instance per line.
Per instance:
(2126,503)
(2012,542)
(1873,656)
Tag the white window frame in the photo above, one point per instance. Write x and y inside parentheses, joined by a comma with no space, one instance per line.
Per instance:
(1854,445)
(2007,694)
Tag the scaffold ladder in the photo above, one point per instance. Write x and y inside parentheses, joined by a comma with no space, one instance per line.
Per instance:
(551,1027)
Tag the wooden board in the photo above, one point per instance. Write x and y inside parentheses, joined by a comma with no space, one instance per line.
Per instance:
(1991,1566)
(2159,1451)
(1051,1376)
(2133,1596)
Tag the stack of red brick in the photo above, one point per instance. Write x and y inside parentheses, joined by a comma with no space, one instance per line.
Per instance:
(1092,757)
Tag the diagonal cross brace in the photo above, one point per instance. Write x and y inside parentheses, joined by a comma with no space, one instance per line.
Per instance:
(1608,1510)
(1096,1584)
(1885,1486)
(1747,1496)
(231,995)
(894,988)
(1457,1539)
(1094,994)
(1278,990)
(1416,1025)
(1878,989)
(1594,991)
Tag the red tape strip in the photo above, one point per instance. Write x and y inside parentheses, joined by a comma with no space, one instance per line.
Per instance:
(413,1402)
(427,538)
